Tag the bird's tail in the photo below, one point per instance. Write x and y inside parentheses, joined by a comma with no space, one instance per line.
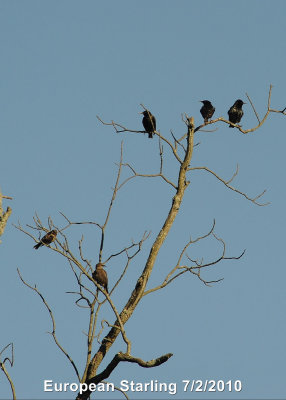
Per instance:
(231,126)
(38,245)
(150,135)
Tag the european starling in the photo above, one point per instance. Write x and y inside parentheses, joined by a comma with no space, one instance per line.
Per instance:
(149,123)
(207,110)
(235,112)
(100,276)
(47,239)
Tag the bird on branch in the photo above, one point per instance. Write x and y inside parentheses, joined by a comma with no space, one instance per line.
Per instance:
(207,110)
(47,239)
(149,123)
(100,276)
(235,112)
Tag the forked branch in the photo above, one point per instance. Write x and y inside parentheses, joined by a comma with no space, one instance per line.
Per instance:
(120,128)
(180,269)
(3,367)
(136,175)
(122,357)
(227,184)
(201,264)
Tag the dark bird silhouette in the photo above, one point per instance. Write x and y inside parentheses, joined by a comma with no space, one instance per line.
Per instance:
(47,239)
(100,276)
(149,123)
(207,110)
(235,112)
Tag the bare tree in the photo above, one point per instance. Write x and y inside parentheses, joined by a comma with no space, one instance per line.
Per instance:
(181,149)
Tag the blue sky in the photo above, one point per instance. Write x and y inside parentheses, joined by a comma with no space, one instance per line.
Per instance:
(63,63)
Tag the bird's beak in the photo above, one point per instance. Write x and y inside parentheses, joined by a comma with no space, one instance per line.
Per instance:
(141,112)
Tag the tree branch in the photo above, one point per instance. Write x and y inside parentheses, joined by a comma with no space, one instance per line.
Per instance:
(116,126)
(135,174)
(115,190)
(253,108)
(226,183)
(138,291)
(121,357)
(3,367)
(53,333)
(260,122)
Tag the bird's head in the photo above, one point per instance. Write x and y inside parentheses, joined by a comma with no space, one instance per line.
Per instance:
(100,265)
(145,113)
(239,103)
(54,232)
(206,102)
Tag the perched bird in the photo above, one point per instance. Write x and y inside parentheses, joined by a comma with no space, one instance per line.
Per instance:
(100,276)
(47,239)
(149,123)
(235,112)
(207,110)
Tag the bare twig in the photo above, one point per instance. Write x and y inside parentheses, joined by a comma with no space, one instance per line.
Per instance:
(253,108)
(53,333)
(11,361)
(226,183)
(116,126)
(76,223)
(178,141)
(279,111)
(115,190)
(199,265)
(139,244)
(135,174)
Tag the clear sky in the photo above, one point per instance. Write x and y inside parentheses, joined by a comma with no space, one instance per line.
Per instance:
(63,63)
